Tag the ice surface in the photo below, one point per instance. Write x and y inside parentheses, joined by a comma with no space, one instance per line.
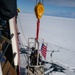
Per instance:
(58,32)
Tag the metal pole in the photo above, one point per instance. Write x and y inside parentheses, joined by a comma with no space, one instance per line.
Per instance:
(37,53)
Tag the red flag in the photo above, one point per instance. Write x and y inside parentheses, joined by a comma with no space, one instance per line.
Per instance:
(43,50)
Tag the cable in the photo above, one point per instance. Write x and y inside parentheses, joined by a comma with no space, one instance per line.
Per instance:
(20,42)
(39,1)
(42,2)
(22,30)
(59,47)
(36,1)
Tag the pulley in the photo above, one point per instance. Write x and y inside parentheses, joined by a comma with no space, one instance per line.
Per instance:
(39,10)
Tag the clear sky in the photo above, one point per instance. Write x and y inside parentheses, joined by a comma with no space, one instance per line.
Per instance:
(62,8)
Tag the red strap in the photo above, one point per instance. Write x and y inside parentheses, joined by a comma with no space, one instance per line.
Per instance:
(37,31)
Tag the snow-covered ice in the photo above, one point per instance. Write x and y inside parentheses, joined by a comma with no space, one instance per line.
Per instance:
(58,32)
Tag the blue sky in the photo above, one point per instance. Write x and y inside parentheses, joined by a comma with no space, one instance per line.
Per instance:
(61,8)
